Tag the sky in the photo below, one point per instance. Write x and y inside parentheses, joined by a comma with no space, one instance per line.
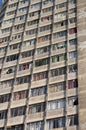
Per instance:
(0,2)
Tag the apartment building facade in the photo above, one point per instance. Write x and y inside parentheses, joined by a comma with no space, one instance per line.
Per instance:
(42,65)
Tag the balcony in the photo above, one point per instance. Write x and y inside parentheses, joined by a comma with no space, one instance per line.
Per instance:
(48,4)
(18,103)
(12,2)
(42,44)
(20,87)
(23,5)
(27,59)
(46,13)
(55,113)
(35,117)
(28,37)
(44,23)
(15,121)
(2,54)
(72,128)
(31,27)
(10,63)
(72,92)
(23,73)
(41,56)
(15,41)
(3,106)
(72,110)
(2,122)
(5,90)
(56,95)
(40,68)
(44,32)
(57,64)
(11,9)
(34,9)
(39,82)
(27,48)
(36,99)
(72,48)
(72,76)
(32,18)
(61,39)
(34,2)
(7,76)
(56,79)
(11,52)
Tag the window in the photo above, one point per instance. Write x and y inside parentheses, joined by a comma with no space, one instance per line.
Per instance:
(6,30)
(59,58)
(12,57)
(44,38)
(72,31)
(60,24)
(45,28)
(47,18)
(35,126)
(1,60)
(72,101)
(15,46)
(60,16)
(12,5)
(72,54)
(46,10)
(72,120)
(3,114)
(41,62)
(19,27)
(16,37)
(5,39)
(8,83)
(37,5)
(27,54)
(71,11)
(33,22)
(37,108)
(59,46)
(11,13)
(62,5)
(9,70)
(55,123)
(40,76)
(36,13)
(18,111)
(56,104)
(73,42)
(23,9)
(60,34)
(72,20)
(31,32)
(72,84)
(20,18)
(4,98)
(48,2)
(72,1)
(43,50)
(72,68)
(58,72)
(29,43)
(20,95)
(57,87)
(22,80)
(26,66)
(17,127)
(38,91)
